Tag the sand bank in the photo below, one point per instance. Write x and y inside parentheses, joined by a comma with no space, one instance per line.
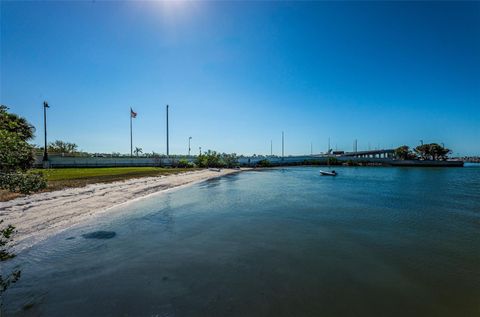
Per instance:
(39,216)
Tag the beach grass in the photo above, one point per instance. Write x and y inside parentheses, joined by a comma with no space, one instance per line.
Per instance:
(60,178)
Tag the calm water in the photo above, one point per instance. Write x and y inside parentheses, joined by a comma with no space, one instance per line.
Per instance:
(283,242)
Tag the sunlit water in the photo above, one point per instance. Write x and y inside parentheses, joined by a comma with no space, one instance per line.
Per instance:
(281,242)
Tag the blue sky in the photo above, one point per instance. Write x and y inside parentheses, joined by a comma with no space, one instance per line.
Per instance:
(236,74)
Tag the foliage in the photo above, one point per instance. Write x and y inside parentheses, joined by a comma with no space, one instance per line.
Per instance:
(59,146)
(183,163)
(6,234)
(5,237)
(404,153)
(138,150)
(432,151)
(19,126)
(16,155)
(264,163)
(352,163)
(215,159)
(332,161)
(209,159)
(230,160)
(24,183)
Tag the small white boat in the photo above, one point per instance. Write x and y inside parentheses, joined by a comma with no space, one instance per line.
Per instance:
(324,173)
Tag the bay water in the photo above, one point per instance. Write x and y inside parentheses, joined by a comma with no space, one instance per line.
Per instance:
(373,241)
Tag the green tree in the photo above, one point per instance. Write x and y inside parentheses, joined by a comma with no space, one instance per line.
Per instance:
(215,159)
(63,147)
(432,151)
(184,163)
(19,126)
(230,160)
(138,150)
(423,151)
(264,163)
(404,153)
(16,155)
(438,152)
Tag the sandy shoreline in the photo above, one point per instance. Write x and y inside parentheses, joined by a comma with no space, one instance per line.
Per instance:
(39,216)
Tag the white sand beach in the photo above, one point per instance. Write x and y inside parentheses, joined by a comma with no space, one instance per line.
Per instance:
(39,216)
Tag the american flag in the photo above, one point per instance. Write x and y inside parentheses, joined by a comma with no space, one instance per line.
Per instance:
(133,114)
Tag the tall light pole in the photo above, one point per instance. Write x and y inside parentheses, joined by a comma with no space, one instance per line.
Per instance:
(45,153)
(167,134)
(271,147)
(311,148)
(189,138)
(283,145)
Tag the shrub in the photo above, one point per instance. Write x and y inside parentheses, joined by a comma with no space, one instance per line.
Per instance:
(24,183)
(264,163)
(215,159)
(183,163)
(15,153)
(333,161)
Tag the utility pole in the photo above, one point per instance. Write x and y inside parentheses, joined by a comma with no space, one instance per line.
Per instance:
(328,150)
(167,134)
(189,138)
(271,147)
(355,144)
(45,152)
(283,145)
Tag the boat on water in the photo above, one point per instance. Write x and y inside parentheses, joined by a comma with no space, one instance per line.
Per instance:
(325,173)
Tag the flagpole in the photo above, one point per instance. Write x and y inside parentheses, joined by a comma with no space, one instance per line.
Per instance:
(168,152)
(131,136)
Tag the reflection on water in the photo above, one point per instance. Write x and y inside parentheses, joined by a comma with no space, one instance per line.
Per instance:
(283,242)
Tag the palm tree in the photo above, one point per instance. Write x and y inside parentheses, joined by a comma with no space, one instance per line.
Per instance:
(138,150)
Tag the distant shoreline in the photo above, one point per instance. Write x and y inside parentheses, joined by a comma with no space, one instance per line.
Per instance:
(40,216)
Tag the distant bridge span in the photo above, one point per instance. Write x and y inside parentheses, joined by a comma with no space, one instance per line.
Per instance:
(385,153)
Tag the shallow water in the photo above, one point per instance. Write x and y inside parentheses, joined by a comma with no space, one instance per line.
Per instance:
(282,242)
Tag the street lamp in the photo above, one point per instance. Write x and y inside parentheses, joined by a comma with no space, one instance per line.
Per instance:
(45,153)
(189,138)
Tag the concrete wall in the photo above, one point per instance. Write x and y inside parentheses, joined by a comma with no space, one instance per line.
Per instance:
(59,161)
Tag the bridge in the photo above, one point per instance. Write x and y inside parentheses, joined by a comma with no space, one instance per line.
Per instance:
(385,153)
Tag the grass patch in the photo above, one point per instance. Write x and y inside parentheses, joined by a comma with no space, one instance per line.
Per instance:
(59,178)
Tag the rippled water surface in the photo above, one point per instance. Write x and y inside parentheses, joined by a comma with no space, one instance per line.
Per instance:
(281,242)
